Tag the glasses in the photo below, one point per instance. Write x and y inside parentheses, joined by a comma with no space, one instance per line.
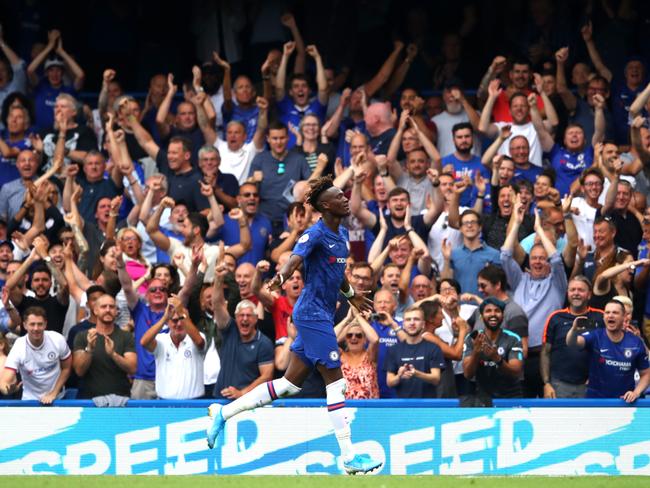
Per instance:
(593,183)
(156,289)
(447,291)
(361,278)
(129,239)
(280,168)
(470,222)
(350,335)
(177,320)
(250,194)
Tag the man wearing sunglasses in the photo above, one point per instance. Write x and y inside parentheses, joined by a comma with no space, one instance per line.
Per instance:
(146,313)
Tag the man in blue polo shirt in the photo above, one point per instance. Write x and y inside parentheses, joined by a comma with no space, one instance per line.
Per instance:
(614,356)
(277,171)
(260,226)
(292,107)
(464,263)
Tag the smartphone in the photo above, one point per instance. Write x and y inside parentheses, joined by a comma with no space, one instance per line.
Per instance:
(474,334)
(585,323)
(375,316)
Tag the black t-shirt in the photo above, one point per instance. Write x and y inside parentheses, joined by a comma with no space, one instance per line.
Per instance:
(104,376)
(92,193)
(568,364)
(423,356)
(380,144)
(489,378)
(417,222)
(53,309)
(183,187)
(80,138)
(228,183)
(53,223)
(628,231)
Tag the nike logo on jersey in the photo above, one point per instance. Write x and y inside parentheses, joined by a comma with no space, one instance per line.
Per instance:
(332,245)
(604,350)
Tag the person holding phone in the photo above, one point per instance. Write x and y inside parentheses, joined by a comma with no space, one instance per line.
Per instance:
(494,357)
(614,356)
(565,370)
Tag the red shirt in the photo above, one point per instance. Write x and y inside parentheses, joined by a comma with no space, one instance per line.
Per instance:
(281,311)
(501,110)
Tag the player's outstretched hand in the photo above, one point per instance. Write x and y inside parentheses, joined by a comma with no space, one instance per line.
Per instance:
(361,302)
(275,283)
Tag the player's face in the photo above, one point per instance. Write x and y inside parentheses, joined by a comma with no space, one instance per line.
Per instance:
(578,294)
(413,323)
(246,320)
(492,316)
(335,202)
(35,326)
(614,316)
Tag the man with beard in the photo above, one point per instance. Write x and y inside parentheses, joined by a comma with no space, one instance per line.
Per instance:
(12,194)
(615,355)
(42,358)
(565,370)
(539,291)
(463,163)
(41,283)
(492,282)
(463,263)
(259,226)
(105,355)
(413,367)
(457,110)
(292,107)
(494,357)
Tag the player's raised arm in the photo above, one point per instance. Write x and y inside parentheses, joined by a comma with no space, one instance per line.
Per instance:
(285,272)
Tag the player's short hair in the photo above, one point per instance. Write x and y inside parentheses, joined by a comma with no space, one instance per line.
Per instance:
(37,311)
(245,304)
(95,289)
(388,266)
(470,211)
(206,149)
(361,265)
(517,95)
(591,171)
(617,302)
(277,125)
(316,188)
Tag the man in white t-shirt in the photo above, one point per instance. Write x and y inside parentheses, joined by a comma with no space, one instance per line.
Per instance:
(42,358)
(522,108)
(179,354)
(584,208)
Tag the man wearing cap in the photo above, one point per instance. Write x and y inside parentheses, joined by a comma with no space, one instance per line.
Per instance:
(494,357)
(49,88)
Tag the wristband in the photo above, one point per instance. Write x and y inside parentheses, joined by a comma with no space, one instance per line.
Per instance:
(350,293)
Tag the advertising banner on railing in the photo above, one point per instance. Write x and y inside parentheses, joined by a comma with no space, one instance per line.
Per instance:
(454,441)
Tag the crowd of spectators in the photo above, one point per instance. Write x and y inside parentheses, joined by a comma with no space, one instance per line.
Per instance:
(500,229)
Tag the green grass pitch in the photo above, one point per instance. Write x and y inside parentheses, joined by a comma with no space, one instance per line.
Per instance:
(321,481)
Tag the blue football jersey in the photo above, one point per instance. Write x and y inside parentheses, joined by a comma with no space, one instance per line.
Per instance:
(612,364)
(324,253)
